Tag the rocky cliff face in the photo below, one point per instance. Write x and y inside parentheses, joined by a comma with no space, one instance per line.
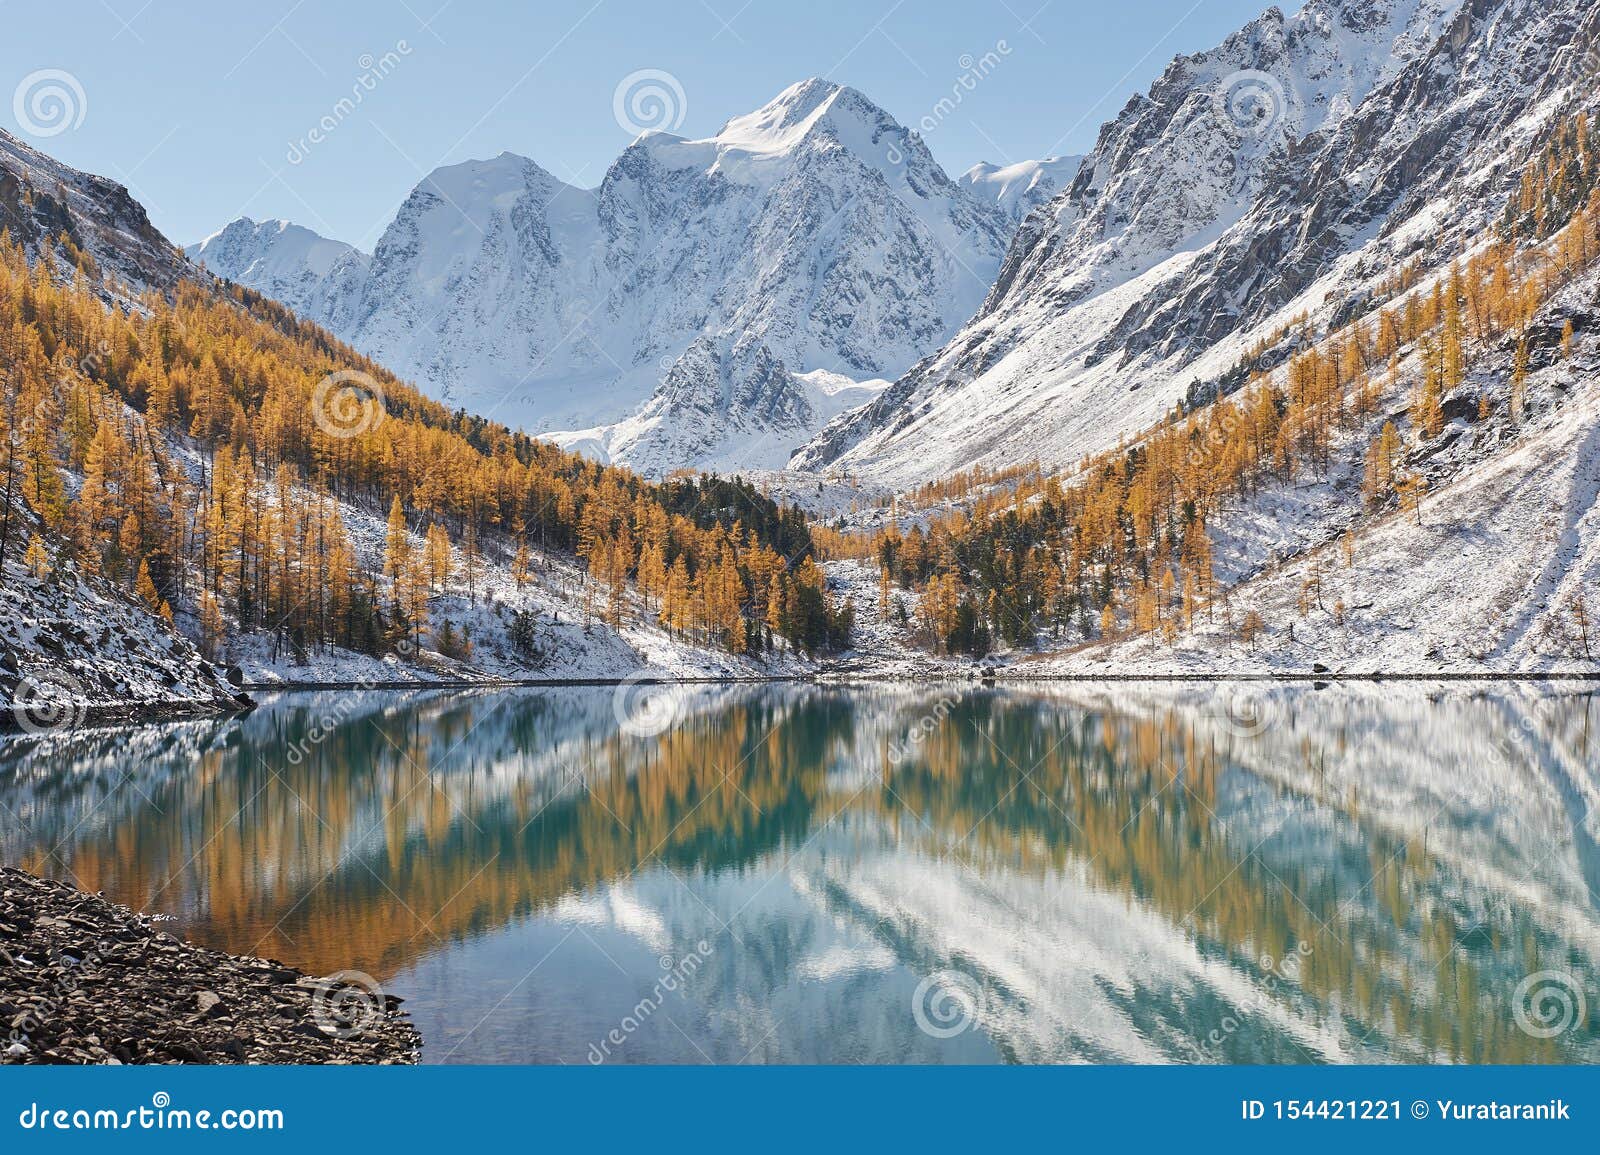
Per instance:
(42,199)
(314,276)
(1281,170)
(1423,149)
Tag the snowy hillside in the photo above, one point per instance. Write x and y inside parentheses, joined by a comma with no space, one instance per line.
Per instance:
(1247,173)
(77,648)
(816,226)
(1523,504)
(1492,568)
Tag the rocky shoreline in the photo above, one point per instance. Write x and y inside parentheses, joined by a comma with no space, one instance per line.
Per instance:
(20,720)
(85,980)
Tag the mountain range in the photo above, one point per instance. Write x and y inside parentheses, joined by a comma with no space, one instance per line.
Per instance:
(809,281)
(808,289)
(712,303)
(723,303)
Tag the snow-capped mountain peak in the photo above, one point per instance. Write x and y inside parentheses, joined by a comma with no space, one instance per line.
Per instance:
(312,274)
(816,225)
(273,250)
(779,125)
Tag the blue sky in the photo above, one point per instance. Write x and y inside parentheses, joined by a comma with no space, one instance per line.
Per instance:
(206,111)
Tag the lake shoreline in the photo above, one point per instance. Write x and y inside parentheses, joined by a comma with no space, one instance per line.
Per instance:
(94,717)
(599,876)
(867,677)
(87,980)
(19,722)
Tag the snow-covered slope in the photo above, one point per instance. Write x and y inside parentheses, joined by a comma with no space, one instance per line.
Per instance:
(816,226)
(77,648)
(1518,502)
(1244,175)
(1022,187)
(724,405)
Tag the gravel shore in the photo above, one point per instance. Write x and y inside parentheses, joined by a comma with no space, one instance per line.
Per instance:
(85,980)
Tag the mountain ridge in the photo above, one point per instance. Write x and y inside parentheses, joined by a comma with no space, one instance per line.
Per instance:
(1177,170)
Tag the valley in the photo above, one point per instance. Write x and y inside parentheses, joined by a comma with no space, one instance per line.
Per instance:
(1236,392)
(766,551)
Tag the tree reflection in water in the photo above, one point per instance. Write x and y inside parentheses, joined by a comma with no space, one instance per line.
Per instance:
(1120,873)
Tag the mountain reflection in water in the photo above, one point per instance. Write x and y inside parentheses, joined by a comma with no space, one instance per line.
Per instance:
(877,874)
